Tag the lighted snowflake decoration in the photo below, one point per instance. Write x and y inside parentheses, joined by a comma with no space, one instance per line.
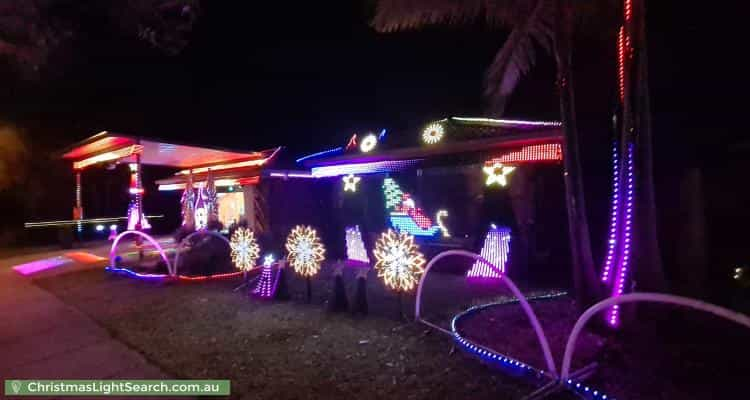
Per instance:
(368,143)
(245,249)
(305,249)
(433,133)
(399,261)
(497,172)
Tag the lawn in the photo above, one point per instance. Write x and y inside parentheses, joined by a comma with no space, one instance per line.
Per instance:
(291,349)
(280,350)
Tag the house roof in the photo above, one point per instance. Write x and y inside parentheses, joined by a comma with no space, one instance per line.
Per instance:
(106,147)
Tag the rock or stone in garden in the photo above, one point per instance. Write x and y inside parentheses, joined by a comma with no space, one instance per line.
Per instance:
(282,290)
(360,296)
(339,302)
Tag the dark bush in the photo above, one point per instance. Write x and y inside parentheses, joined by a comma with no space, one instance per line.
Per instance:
(205,254)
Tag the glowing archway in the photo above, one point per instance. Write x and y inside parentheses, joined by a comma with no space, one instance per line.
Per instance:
(635,297)
(509,283)
(151,240)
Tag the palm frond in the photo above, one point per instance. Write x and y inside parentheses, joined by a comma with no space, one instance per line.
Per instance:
(518,54)
(396,15)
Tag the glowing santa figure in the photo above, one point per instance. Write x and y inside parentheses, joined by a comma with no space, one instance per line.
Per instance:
(410,208)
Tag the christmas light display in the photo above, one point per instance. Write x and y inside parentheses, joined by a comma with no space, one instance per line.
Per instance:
(495,250)
(500,122)
(614,220)
(231,165)
(305,250)
(212,199)
(350,183)
(532,153)
(368,143)
(364,168)
(623,261)
(133,212)
(336,150)
(439,218)
(404,215)
(355,246)
(108,156)
(266,285)
(497,173)
(188,203)
(201,210)
(433,133)
(136,219)
(165,277)
(399,261)
(285,175)
(621,63)
(78,209)
(392,192)
(352,143)
(245,249)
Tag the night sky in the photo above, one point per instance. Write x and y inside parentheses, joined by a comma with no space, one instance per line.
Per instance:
(309,74)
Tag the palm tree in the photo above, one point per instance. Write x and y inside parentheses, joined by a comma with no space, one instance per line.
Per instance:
(31,30)
(534,23)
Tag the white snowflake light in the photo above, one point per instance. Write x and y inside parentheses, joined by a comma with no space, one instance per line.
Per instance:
(305,249)
(433,133)
(368,143)
(245,250)
(399,261)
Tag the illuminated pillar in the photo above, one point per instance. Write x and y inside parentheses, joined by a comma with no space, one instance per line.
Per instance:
(78,210)
(136,218)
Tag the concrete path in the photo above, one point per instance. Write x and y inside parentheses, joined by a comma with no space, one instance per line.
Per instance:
(42,337)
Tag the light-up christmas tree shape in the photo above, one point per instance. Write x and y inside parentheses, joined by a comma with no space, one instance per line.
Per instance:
(495,250)
(266,285)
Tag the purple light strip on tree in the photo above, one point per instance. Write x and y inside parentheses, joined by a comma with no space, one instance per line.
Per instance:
(624,260)
(363,168)
(615,216)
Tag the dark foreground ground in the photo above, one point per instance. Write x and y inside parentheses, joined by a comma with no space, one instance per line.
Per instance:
(295,350)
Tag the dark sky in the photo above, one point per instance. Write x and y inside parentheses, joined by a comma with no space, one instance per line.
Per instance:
(309,74)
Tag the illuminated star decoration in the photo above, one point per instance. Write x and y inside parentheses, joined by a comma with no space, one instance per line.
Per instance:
(399,261)
(245,250)
(368,143)
(350,183)
(305,249)
(497,172)
(433,133)
(268,260)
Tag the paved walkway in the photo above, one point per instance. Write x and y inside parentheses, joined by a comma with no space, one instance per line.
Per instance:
(42,337)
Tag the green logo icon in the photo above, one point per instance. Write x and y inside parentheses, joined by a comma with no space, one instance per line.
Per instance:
(16,386)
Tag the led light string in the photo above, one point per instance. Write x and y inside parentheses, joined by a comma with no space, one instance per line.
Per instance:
(626,234)
(614,220)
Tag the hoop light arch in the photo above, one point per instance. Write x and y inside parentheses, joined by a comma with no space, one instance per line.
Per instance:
(543,342)
(112,251)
